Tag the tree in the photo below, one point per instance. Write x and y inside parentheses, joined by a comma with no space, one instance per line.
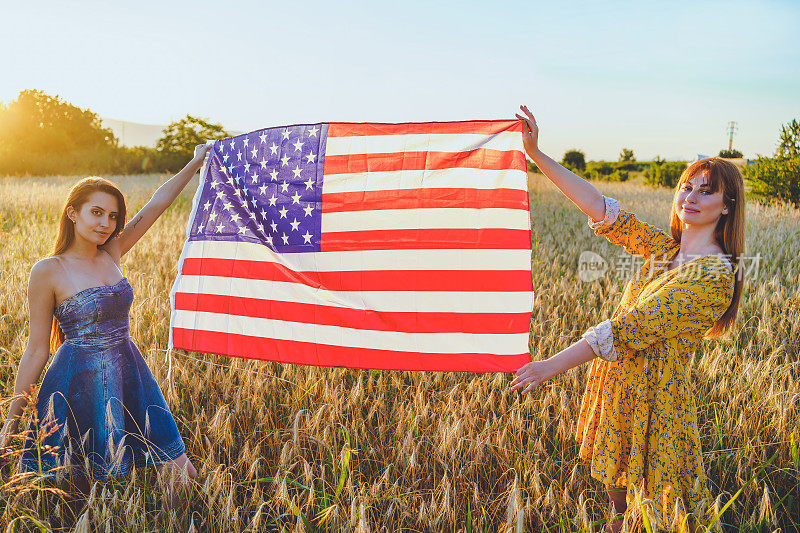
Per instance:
(627,155)
(789,145)
(182,136)
(574,159)
(730,154)
(40,133)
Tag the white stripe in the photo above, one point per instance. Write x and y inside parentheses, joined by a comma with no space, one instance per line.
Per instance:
(357,260)
(450,178)
(496,344)
(388,301)
(432,218)
(423,142)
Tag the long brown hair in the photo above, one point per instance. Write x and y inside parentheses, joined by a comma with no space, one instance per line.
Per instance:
(79,195)
(729,232)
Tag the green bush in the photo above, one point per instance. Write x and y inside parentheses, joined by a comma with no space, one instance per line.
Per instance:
(662,173)
(730,154)
(775,178)
(574,160)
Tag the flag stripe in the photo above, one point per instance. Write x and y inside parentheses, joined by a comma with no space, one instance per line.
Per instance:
(312,353)
(498,344)
(410,322)
(365,280)
(434,198)
(424,219)
(406,239)
(486,159)
(453,178)
(466,259)
(485,127)
(384,144)
(381,301)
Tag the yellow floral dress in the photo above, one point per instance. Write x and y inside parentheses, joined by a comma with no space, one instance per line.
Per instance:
(638,422)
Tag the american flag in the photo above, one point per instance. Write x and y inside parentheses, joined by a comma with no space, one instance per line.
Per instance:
(385,246)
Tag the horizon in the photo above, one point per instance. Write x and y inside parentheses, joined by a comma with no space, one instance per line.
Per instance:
(598,78)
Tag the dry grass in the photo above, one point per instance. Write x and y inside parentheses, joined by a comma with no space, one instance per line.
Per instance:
(306,448)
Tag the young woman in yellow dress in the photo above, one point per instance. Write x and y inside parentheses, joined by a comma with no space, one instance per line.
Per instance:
(637,427)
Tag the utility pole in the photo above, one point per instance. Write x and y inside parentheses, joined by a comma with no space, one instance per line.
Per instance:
(731,130)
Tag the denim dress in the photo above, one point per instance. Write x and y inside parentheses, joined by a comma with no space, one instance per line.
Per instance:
(99,410)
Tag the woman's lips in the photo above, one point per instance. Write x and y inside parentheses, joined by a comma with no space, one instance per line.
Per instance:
(689,210)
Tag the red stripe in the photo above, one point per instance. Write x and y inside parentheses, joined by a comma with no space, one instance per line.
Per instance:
(308,353)
(365,280)
(483,158)
(406,322)
(410,239)
(425,198)
(486,127)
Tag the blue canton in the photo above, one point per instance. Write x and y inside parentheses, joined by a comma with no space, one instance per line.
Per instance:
(265,187)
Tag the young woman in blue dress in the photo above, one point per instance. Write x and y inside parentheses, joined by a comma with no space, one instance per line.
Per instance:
(99,410)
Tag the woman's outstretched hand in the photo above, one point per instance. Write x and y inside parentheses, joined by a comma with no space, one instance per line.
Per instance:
(530,132)
(531,375)
(200,151)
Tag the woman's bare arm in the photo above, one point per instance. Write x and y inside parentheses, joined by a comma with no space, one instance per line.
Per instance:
(41,302)
(534,373)
(161,199)
(581,192)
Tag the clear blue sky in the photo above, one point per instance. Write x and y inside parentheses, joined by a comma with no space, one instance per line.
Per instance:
(663,78)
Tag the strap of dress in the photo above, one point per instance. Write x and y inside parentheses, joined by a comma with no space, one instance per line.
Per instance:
(69,277)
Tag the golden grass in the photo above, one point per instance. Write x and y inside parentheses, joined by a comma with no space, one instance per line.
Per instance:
(304,448)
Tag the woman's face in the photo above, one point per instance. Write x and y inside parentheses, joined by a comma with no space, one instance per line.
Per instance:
(97,218)
(696,205)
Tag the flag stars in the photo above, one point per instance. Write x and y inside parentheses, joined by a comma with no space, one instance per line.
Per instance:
(298,145)
(264,163)
(269,240)
(308,209)
(262,190)
(309,183)
(285,239)
(247,167)
(235,217)
(214,184)
(239,155)
(273,175)
(294,224)
(311,157)
(284,186)
(207,206)
(285,160)
(245,141)
(272,200)
(285,134)
(220,227)
(242,230)
(225,157)
(307,238)
(296,198)
(212,216)
(274,148)
(283,212)
(297,171)
(263,137)
(274,226)
(254,151)
(254,177)
(200,228)
(313,131)
(227,206)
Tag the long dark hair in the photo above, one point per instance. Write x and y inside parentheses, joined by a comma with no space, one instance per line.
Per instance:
(79,195)
(729,232)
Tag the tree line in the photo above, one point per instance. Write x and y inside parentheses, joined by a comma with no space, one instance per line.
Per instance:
(775,177)
(44,135)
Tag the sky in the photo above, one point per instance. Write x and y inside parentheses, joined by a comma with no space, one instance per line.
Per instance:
(661,78)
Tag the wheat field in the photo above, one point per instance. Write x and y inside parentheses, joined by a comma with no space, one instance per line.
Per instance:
(294,448)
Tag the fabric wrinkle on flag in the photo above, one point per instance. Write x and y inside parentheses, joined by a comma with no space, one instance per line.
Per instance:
(390,246)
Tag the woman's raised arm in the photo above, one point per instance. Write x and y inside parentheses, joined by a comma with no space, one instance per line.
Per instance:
(161,199)
(581,192)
